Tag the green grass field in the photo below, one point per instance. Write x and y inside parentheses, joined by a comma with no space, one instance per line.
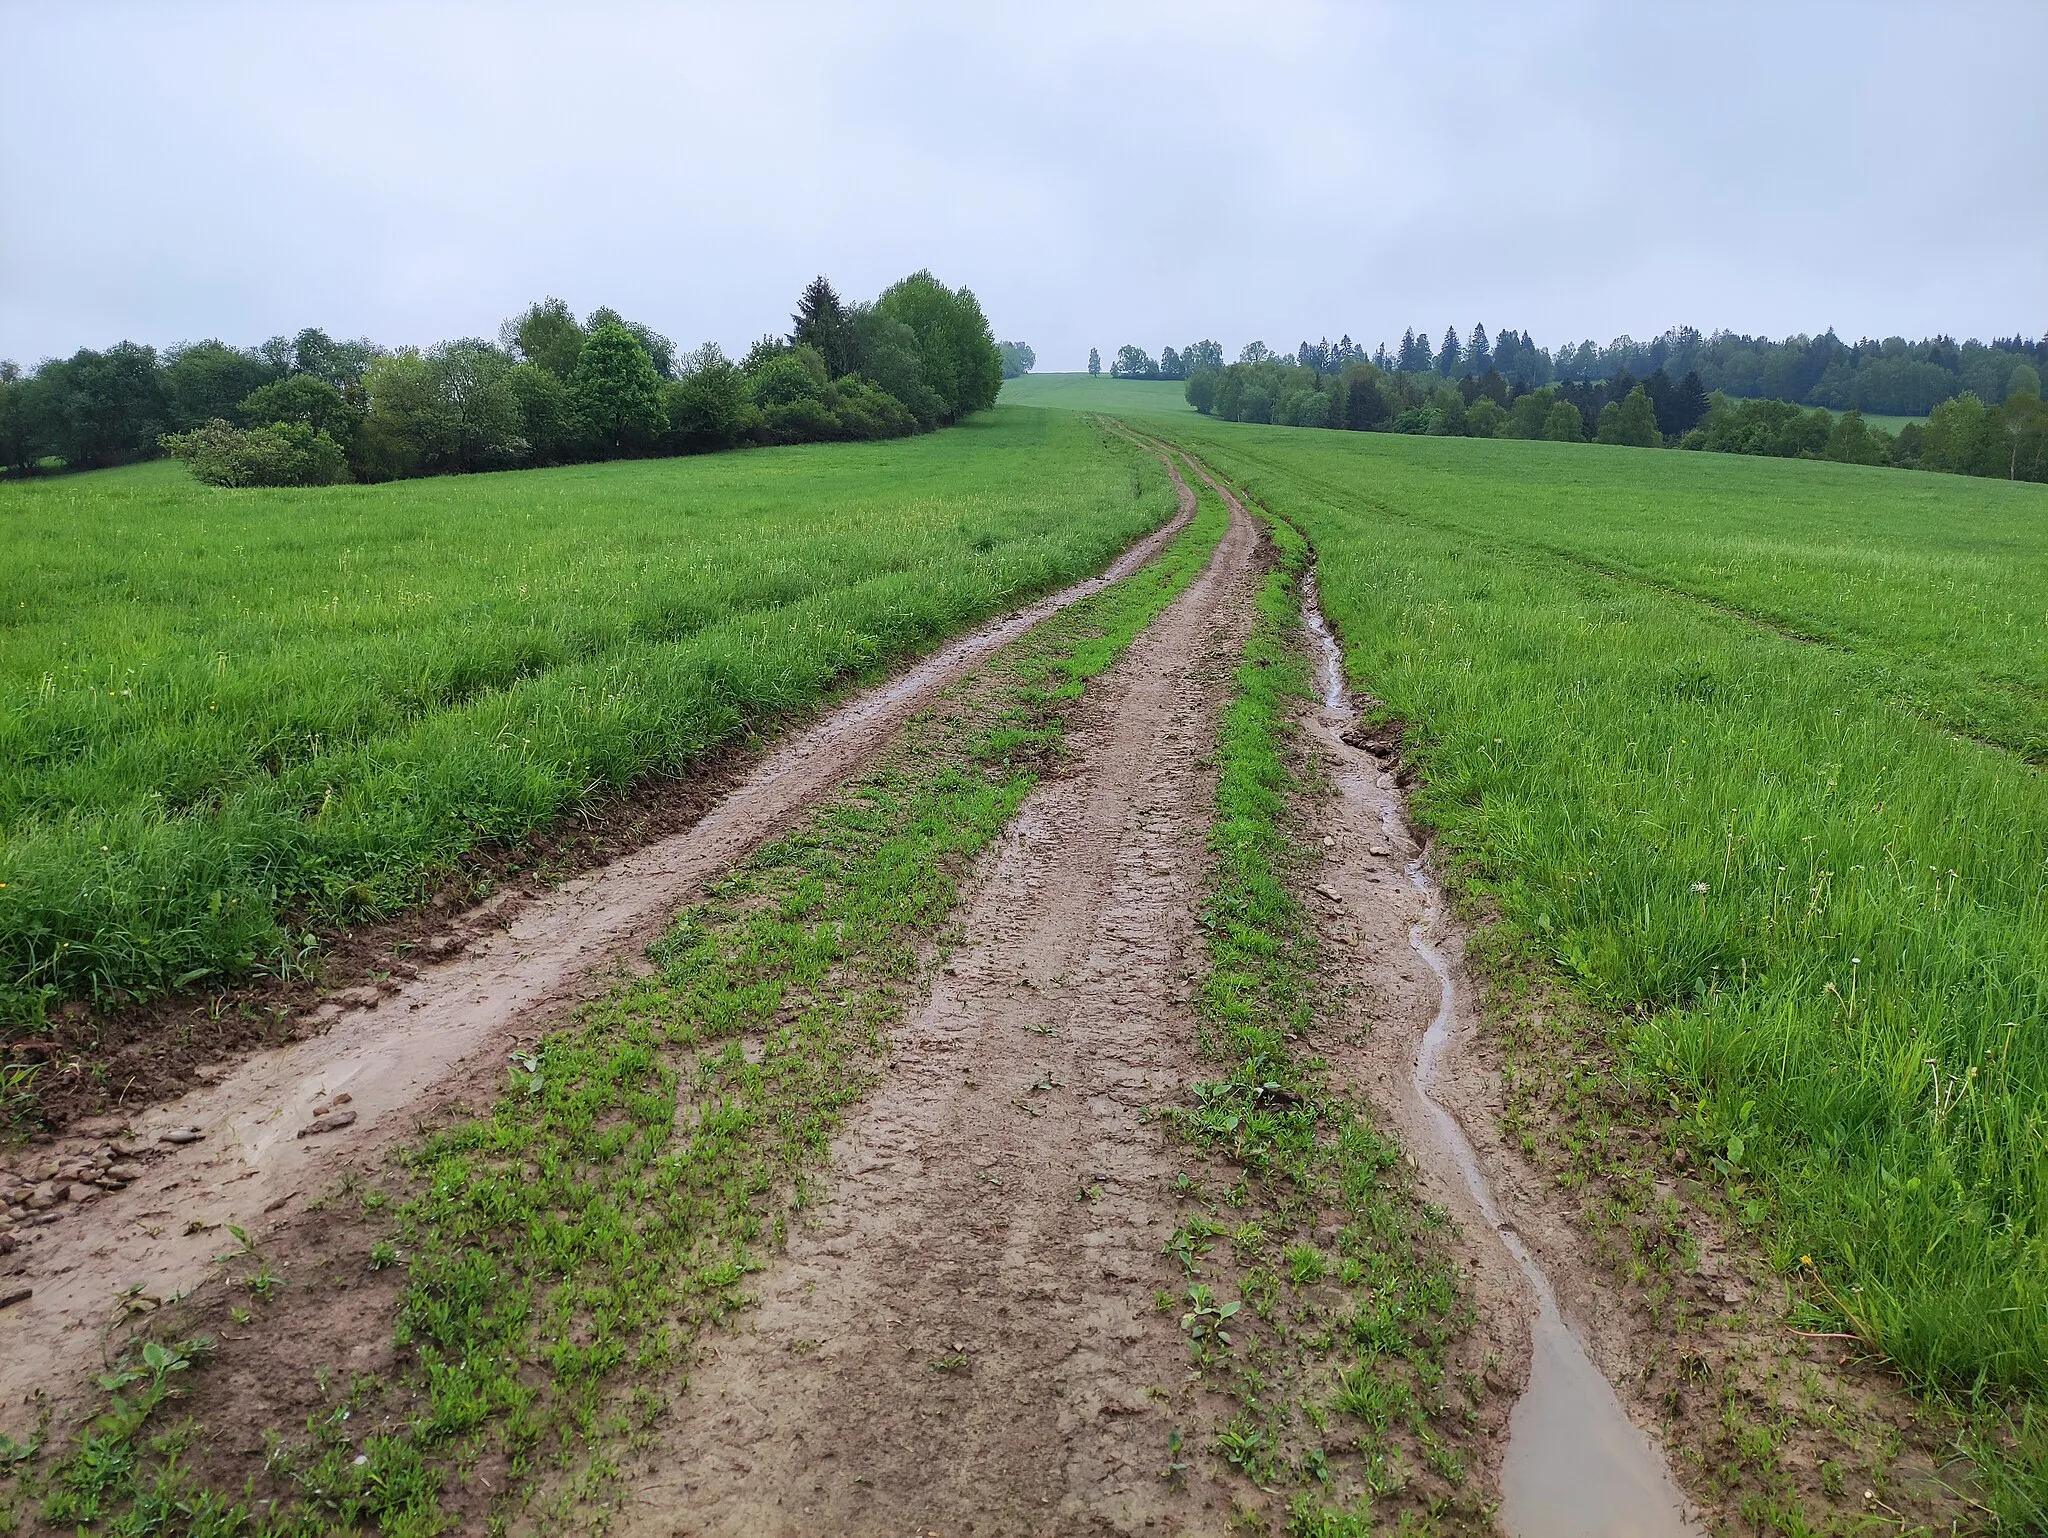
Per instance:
(1809,880)
(227,715)
(1081,392)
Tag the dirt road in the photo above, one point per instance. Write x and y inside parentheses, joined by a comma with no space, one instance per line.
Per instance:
(964,1340)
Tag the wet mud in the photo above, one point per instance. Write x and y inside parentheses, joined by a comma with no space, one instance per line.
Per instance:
(963,1339)
(1574,1465)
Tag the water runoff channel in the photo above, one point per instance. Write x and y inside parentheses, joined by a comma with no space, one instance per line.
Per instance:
(1576,1466)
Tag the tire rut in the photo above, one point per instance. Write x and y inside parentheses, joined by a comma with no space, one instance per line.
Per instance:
(962,1339)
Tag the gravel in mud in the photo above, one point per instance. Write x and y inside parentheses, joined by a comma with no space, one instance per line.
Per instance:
(962,1340)
(232,1153)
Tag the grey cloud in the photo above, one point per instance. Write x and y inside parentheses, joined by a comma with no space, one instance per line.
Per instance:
(1099,174)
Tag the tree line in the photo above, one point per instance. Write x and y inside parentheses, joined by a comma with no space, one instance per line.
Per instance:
(552,389)
(1336,387)
(1892,377)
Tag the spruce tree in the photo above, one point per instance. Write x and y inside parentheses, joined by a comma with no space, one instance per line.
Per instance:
(821,321)
(1447,357)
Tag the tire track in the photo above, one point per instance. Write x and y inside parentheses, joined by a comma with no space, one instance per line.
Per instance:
(963,1339)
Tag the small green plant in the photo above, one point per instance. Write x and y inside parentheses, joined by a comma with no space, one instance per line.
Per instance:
(1205,1318)
(1191,1243)
(1364,1391)
(1306,1265)
(265,1283)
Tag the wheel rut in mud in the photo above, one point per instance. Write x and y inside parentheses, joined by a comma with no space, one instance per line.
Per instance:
(962,1338)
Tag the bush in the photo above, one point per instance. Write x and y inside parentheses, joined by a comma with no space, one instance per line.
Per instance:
(282,454)
(1365,404)
(1632,422)
(784,378)
(867,412)
(708,407)
(1306,408)
(1563,424)
(1853,442)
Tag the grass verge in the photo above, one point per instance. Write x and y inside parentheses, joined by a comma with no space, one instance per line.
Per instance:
(1338,1346)
(560,1251)
(1811,923)
(234,722)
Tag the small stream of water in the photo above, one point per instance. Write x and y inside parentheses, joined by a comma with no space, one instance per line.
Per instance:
(1576,1465)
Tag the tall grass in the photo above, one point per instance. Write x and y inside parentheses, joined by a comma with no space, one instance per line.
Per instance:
(228,715)
(1820,919)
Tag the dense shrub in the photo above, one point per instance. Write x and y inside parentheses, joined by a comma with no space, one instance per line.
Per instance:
(281,454)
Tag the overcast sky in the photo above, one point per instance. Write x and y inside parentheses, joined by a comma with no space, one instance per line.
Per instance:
(1098,173)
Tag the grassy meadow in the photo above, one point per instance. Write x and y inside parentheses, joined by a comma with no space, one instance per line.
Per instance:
(1083,392)
(228,716)
(1750,749)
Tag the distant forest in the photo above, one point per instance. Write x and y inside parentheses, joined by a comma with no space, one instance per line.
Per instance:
(310,410)
(1889,378)
(1683,390)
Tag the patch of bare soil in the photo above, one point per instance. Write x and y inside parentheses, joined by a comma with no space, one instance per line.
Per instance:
(262,1136)
(962,1339)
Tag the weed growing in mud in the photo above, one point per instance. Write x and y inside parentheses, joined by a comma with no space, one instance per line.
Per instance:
(563,1249)
(1333,1363)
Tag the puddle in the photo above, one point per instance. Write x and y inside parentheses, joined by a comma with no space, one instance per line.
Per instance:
(1576,1465)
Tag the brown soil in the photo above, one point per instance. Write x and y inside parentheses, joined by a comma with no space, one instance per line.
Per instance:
(963,1340)
(381,1056)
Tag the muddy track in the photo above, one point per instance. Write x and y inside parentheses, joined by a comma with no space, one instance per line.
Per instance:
(962,1339)
(383,1058)
(1571,1461)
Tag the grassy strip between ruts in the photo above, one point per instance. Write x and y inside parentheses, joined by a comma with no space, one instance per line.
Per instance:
(1340,1348)
(563,1250)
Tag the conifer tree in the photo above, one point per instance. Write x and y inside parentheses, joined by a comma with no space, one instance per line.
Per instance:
(821,321)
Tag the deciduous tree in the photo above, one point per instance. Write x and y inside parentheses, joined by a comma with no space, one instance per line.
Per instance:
(547,334)
(616,390)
